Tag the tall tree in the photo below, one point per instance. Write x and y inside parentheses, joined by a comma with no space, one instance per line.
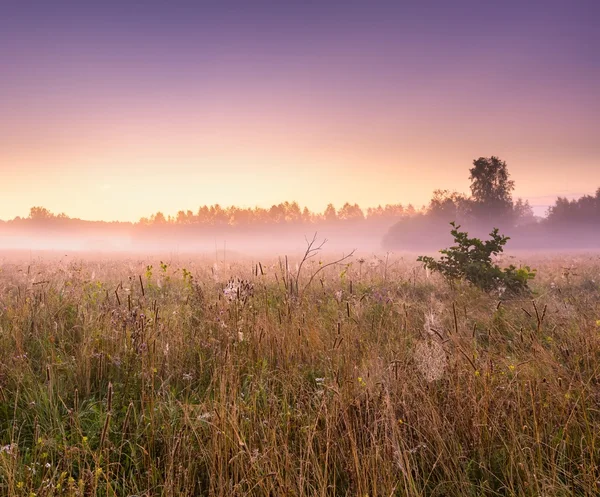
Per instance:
(491,188)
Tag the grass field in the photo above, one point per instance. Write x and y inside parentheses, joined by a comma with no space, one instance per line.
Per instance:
(376,379)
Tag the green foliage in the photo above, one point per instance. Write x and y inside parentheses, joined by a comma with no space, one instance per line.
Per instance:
(470,259)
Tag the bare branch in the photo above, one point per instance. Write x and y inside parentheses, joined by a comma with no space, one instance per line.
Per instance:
(344,258)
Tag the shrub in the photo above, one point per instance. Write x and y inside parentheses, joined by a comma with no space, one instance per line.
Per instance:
(470,259)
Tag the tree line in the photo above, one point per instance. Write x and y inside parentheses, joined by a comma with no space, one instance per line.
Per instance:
(490,204)
(282,213)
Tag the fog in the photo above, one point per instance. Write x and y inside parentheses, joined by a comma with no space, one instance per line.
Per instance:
(219,244)
(231,243)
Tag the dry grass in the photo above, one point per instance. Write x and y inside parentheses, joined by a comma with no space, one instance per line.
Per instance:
(108,389)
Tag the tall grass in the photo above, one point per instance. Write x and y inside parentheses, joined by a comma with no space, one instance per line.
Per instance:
(117,379)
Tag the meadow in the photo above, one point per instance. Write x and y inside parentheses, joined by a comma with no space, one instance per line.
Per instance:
(188,377)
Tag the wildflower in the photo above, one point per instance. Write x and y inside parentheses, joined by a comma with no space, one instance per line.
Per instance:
(9,449)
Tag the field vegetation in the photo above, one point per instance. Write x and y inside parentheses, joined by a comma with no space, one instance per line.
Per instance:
(269,378)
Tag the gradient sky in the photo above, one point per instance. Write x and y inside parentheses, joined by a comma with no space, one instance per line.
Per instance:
(114,110)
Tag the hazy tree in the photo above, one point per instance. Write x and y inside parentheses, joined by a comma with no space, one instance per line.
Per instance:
(585,209)
(158,218)
(375,212)
(307,216)
(182,217)
(523,213)
(293,214)
(40,214)
(351,212)
(277,213)
(203,215)
(447,205)
(491,188)
(218,215)
(394,210)
(330,213)
(260,215)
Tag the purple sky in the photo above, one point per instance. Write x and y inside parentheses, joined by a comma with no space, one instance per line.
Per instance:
(170,105)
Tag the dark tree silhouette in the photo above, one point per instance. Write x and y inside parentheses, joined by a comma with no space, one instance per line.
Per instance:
(491,188)
(584,210)
(448,206)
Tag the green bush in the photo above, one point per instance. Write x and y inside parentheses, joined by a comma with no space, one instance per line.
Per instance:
(470,259)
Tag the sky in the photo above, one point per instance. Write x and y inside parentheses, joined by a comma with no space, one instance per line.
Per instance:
(115,110)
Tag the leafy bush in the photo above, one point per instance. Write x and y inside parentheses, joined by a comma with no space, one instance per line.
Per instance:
(471,260)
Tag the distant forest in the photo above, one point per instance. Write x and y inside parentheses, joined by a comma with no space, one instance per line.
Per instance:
(490,204)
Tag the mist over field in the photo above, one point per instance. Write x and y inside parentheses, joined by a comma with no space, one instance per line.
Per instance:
(233,241)
(285,228)
(273,242)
